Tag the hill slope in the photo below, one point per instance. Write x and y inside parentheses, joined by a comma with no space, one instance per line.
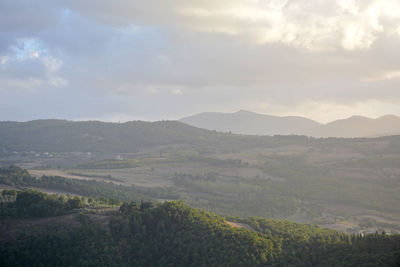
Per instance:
(245,122)
(69,136)
(173,234)
(95,136)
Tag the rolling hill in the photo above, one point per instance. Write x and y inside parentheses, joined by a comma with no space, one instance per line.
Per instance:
(96,136)
(245,122)
(358,126)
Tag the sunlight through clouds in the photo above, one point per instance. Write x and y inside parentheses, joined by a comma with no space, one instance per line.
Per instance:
(307,24)
(36,53)
(215,55)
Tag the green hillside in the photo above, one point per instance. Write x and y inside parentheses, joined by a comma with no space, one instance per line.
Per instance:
(129,137)
(173,234)
(345,184)
(94,229)
(68,136)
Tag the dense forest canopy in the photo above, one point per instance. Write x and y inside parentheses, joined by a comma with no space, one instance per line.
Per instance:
(173,234)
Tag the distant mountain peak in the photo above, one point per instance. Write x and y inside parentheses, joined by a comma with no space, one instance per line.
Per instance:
(242,111)
(389,116)
(359,117)
(247,122)
(359,126)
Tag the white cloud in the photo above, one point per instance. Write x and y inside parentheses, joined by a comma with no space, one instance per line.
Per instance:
(312,24)
(57,81)
(382,76)
(349,6)
(30,66)
(28,48)
(152,90)
(3,60)
(29,84)
(33,54)
(176,91)
(52,64)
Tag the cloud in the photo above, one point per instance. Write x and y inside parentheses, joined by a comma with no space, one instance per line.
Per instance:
(315,24)
(131,59)
(176,91)
(28,84)
(29,66)
(382,76)
(3,60)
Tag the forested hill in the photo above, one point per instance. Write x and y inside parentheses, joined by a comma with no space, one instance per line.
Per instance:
(130,137)
(173,234)
(39,229)
(69,136)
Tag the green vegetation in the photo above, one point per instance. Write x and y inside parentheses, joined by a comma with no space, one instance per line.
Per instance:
(177,156)
(15,176)
(284,185)
(32,203)
(335,182)
(173,234)
(87,245)
(95,136)
(235,196)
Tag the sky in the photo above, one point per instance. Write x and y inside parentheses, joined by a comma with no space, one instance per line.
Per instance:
(127,60)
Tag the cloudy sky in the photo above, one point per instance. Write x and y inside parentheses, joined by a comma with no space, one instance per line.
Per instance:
(164,59)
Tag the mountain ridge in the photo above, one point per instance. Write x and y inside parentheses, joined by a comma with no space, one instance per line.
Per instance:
(359,126)
(247,122)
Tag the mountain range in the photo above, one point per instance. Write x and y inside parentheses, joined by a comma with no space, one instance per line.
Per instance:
(246,122)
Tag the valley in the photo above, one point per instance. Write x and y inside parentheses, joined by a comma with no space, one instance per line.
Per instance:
(346,184)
